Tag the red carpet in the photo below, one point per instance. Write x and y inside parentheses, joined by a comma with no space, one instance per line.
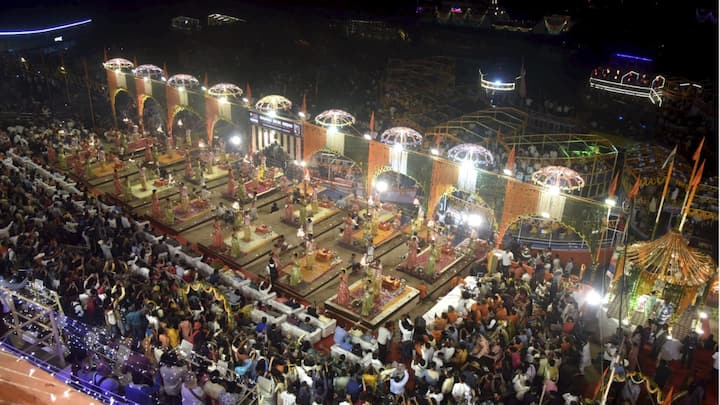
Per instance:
(701,367)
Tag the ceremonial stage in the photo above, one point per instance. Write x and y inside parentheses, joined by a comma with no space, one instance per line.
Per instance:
(390,302)
(325,211)
(167,160)
(311,278)
(258,239)
(445,262)
(140,194)
(217,173)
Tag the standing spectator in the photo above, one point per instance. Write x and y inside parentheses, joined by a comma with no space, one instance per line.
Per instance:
(384,339)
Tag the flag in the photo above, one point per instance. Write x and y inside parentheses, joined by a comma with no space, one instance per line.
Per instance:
(135,61)
(698,175)
(165,72)
(105,58)
(498,137)
(600,383)
(635,190)
(205,81)
(668,397)
(670,157)
(696,156)
(303,108)
(248,91)
(510,164)
(613,185)
(372,122)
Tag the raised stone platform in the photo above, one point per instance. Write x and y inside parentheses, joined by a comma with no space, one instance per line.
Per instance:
(390,303)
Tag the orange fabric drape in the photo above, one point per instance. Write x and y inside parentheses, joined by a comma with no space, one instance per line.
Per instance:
(378,156)
(444,175)
(140,92)
(520,199)
(212,111)
(314,139)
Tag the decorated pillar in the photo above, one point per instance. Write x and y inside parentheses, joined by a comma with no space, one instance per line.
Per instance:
(172,95)
(520,199)
(378,156)
(141,90)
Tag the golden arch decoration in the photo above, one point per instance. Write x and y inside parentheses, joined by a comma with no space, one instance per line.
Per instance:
(175,111)
(218,295)
(112,100)
(357,165)
(142,99)
(215,121)
(480,202)
(558,220)
(386,168)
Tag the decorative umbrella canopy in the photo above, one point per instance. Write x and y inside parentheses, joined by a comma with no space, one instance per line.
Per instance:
(273,103)
(183,81)
(672,260)
(407,137)
(227,90)
(558,176)
(149,71)
(118,64)
(476,154)
(335,118)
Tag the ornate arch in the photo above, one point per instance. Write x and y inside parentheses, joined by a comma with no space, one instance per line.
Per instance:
(112,100)
(142,99)
(482,204)
(582,236)
(386,168)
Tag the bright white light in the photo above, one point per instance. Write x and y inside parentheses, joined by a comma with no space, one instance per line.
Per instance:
(398,147)
(498,82)
(593,298)
(235,140)
(367,136)
(147,79)
(300,233)
(180,123)
(159,128)
(381,186)
(545,215)
(43,30)
(303,164)
(434,151)
(201,144)
(117,70)
(203,88)
(553,190)
(272,113)
(31,372)
(23,60)
(474,220)
(236,206)
(245,100)
(58,39)
(467,164)
(301,114)
(332,130)
(703,315)
(125,119)
(610,202)
(296,163)
(181,88)
(163,78)
(507,172)
(53,397)
(223,100)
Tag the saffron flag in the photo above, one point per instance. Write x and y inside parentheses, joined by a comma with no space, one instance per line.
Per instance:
(248,91)
(205,81)
(698,175)
(635,190)
(135,61)
(510,165)
(613,185)
(105,58)
(696,156)
(668,397)
(303,108)
(165,72)
(372,122)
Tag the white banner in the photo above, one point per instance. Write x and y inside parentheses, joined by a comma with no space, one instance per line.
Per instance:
(398,160)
